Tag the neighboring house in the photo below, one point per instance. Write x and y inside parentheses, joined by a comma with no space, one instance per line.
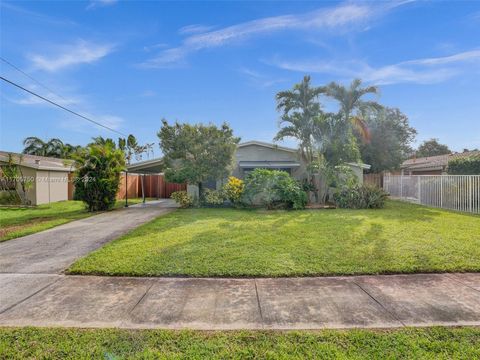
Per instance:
(432,165)
(49,176)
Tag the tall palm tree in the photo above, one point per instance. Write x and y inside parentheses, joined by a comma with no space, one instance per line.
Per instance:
(35,146)
(350,100)
(301,112)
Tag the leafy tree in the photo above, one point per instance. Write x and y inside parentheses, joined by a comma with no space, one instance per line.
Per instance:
(390,139)
(13,178)
(97,175)
(432,148)
(197,153)
(464,166)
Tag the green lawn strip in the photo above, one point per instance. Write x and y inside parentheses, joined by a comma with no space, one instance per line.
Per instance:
(21,221)
(409,343)
(402,238)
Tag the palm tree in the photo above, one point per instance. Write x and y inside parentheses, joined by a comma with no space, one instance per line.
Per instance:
(35,146)
(301,115)
(350,99)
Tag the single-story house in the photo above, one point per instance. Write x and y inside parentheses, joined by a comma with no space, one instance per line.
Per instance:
(432,165)
(251,155)
(49,176)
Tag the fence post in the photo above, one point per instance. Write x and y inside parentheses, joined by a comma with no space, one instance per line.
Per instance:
(470,193)
(420,190)
(401,186)
(441,191)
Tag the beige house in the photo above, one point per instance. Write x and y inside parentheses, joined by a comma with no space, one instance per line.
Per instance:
(49,176)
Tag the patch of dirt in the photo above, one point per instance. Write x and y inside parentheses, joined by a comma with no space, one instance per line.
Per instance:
(5,230)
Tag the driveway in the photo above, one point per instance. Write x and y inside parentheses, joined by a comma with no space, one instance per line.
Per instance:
(53,250)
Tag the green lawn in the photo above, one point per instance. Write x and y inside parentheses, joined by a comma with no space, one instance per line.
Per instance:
(402,238)
(427,343)
(21,221)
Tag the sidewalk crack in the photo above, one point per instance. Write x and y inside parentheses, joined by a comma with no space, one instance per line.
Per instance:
(142,297)
(380,304)
(258,303)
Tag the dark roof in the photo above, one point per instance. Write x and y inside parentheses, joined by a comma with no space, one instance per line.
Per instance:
(433,162)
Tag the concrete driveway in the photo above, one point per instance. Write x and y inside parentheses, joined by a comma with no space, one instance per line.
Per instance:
(53,250)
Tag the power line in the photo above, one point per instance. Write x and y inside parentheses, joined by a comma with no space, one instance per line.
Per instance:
(60,106)
(30,77)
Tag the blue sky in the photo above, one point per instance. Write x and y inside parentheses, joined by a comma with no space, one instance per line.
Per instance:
(130,64)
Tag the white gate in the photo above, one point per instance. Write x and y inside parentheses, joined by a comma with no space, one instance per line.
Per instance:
(454,192)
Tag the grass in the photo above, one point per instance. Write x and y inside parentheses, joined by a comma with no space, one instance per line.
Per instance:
(401,238)
(21,221)
(426,343)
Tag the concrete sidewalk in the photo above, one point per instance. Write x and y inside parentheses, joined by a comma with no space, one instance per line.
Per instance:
(213,304)
(52,251)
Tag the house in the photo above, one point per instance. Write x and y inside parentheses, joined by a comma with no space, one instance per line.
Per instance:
(49,177)
(258,154)
(432,165)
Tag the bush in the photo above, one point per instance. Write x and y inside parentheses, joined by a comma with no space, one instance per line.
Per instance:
(360,197)
(464,166)
(233,189)
(273,189)
(182,198)
(97,175)
(213,197)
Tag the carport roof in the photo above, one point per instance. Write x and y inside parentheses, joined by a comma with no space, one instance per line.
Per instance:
(154,166)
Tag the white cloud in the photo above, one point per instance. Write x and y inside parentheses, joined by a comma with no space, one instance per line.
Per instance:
(194,29)
(76,124)
(29,99)
(334,18)
(258,79)
(81,52)
(421,71)
(100,3)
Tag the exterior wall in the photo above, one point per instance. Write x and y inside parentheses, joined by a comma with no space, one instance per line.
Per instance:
(50,186)
(261,153)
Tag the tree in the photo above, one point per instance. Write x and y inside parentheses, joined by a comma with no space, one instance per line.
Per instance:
(390,138)
(301,114)
(97,175)
(350,100)
(197,153)
(432,148)
(51,148)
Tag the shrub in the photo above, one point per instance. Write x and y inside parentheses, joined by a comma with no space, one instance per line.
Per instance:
(182,198)
(274,189)
(213,197)
(233,189)
(360,197)
(97,175)
(464,166)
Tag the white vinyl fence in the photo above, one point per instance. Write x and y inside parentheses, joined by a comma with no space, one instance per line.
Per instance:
(454,192)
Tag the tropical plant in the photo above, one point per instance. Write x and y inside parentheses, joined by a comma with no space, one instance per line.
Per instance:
(350,100)
(273,189)
(233,189)
(97,175)
(13,179)
(51,148)
(182,198)
(360,197)
(197,153)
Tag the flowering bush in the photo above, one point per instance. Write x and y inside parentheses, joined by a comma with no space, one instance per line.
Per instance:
(182,198)
(233,189)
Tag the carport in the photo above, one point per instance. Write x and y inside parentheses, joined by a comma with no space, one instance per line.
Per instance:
(142,168)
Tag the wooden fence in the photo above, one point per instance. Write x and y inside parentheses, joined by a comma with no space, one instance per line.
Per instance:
(454,192)
(373,179)
(155,186)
